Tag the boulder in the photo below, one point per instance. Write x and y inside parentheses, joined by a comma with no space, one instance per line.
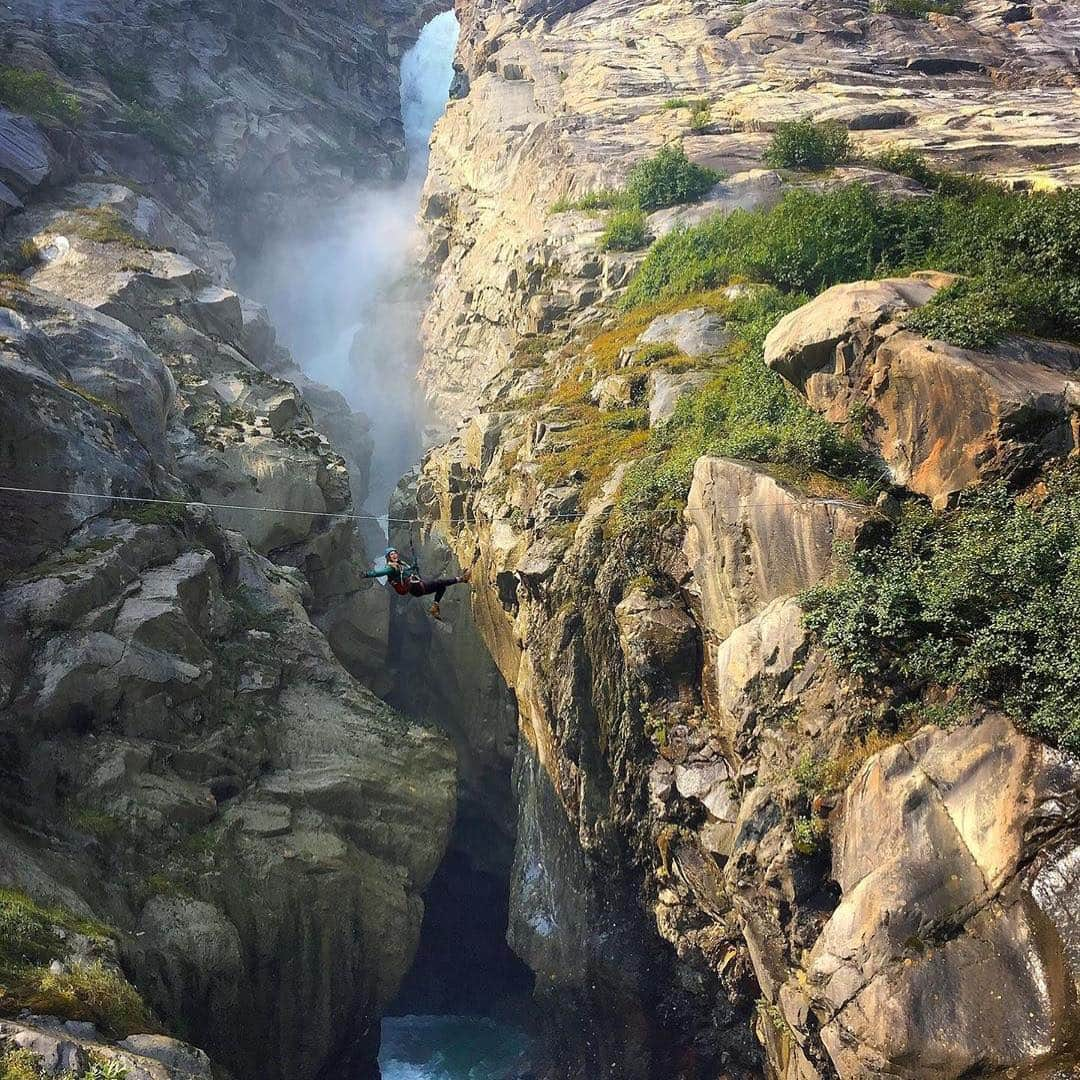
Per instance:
(803,343)
(614,391)
(668,388)
(941,418)
(950,950)
(752,539)
(694,332)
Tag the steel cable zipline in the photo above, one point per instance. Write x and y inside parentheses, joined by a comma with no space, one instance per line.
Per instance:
(184,503)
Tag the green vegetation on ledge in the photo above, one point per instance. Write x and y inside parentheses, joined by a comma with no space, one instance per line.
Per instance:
(806,144)
(1021,251)
(977,605)
(38,96)
(667,179)
(31,937)
(746,411)
(916,9)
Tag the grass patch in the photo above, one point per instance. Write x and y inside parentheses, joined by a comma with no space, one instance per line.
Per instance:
(746,411)
(92,399)
(36,95)
(16,1064)
(31,937)
(625,230)
(151,513)
(827,776)
(977,605)
(97,823)
(595,447)
(1021,250)
(807,144)
(593,201)
(101,224)
(700,117)
(90,992)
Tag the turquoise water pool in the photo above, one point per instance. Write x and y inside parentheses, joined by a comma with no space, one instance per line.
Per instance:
(451,1048)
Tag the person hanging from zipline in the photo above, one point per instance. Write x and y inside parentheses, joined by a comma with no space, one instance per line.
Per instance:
(405,580)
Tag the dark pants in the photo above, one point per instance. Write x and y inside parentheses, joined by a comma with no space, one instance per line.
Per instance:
(438,587)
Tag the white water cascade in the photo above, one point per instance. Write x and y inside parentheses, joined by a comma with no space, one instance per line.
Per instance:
(345,296)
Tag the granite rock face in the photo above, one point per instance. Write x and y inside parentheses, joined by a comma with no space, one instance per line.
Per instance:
(940,417)
(184,756)
(688,755)
(560,99)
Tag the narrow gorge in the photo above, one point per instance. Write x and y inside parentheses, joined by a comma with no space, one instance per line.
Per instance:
(730,348)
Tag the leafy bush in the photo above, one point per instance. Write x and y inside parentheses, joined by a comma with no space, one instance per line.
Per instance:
(624,231)
(916,9)
(129,82)
(668,179)
(982,602)
(805,144)
(807,835)
(700,117)
(17,1064)
(1023,249)
(35,94)
(746,411)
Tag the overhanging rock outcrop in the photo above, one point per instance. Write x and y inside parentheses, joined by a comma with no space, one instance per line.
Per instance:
(941,418)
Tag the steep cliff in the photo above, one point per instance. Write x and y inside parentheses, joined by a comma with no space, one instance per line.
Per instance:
(209,826)
(742,847)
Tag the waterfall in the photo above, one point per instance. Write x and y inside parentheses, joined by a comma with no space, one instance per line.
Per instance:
(343,292)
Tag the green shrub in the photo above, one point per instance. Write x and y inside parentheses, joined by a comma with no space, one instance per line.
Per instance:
(967,313)
(982,602)
(624,231)
(1023,247)
(807,834)
(746,411)
(679,103)
(38,96)
(668,179)
(701,117)
(129,82)
(17,1064)
(157,127)
(916,9)
(806,144)
(904,162)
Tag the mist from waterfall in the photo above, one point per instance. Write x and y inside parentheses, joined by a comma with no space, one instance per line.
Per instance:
(345,295)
